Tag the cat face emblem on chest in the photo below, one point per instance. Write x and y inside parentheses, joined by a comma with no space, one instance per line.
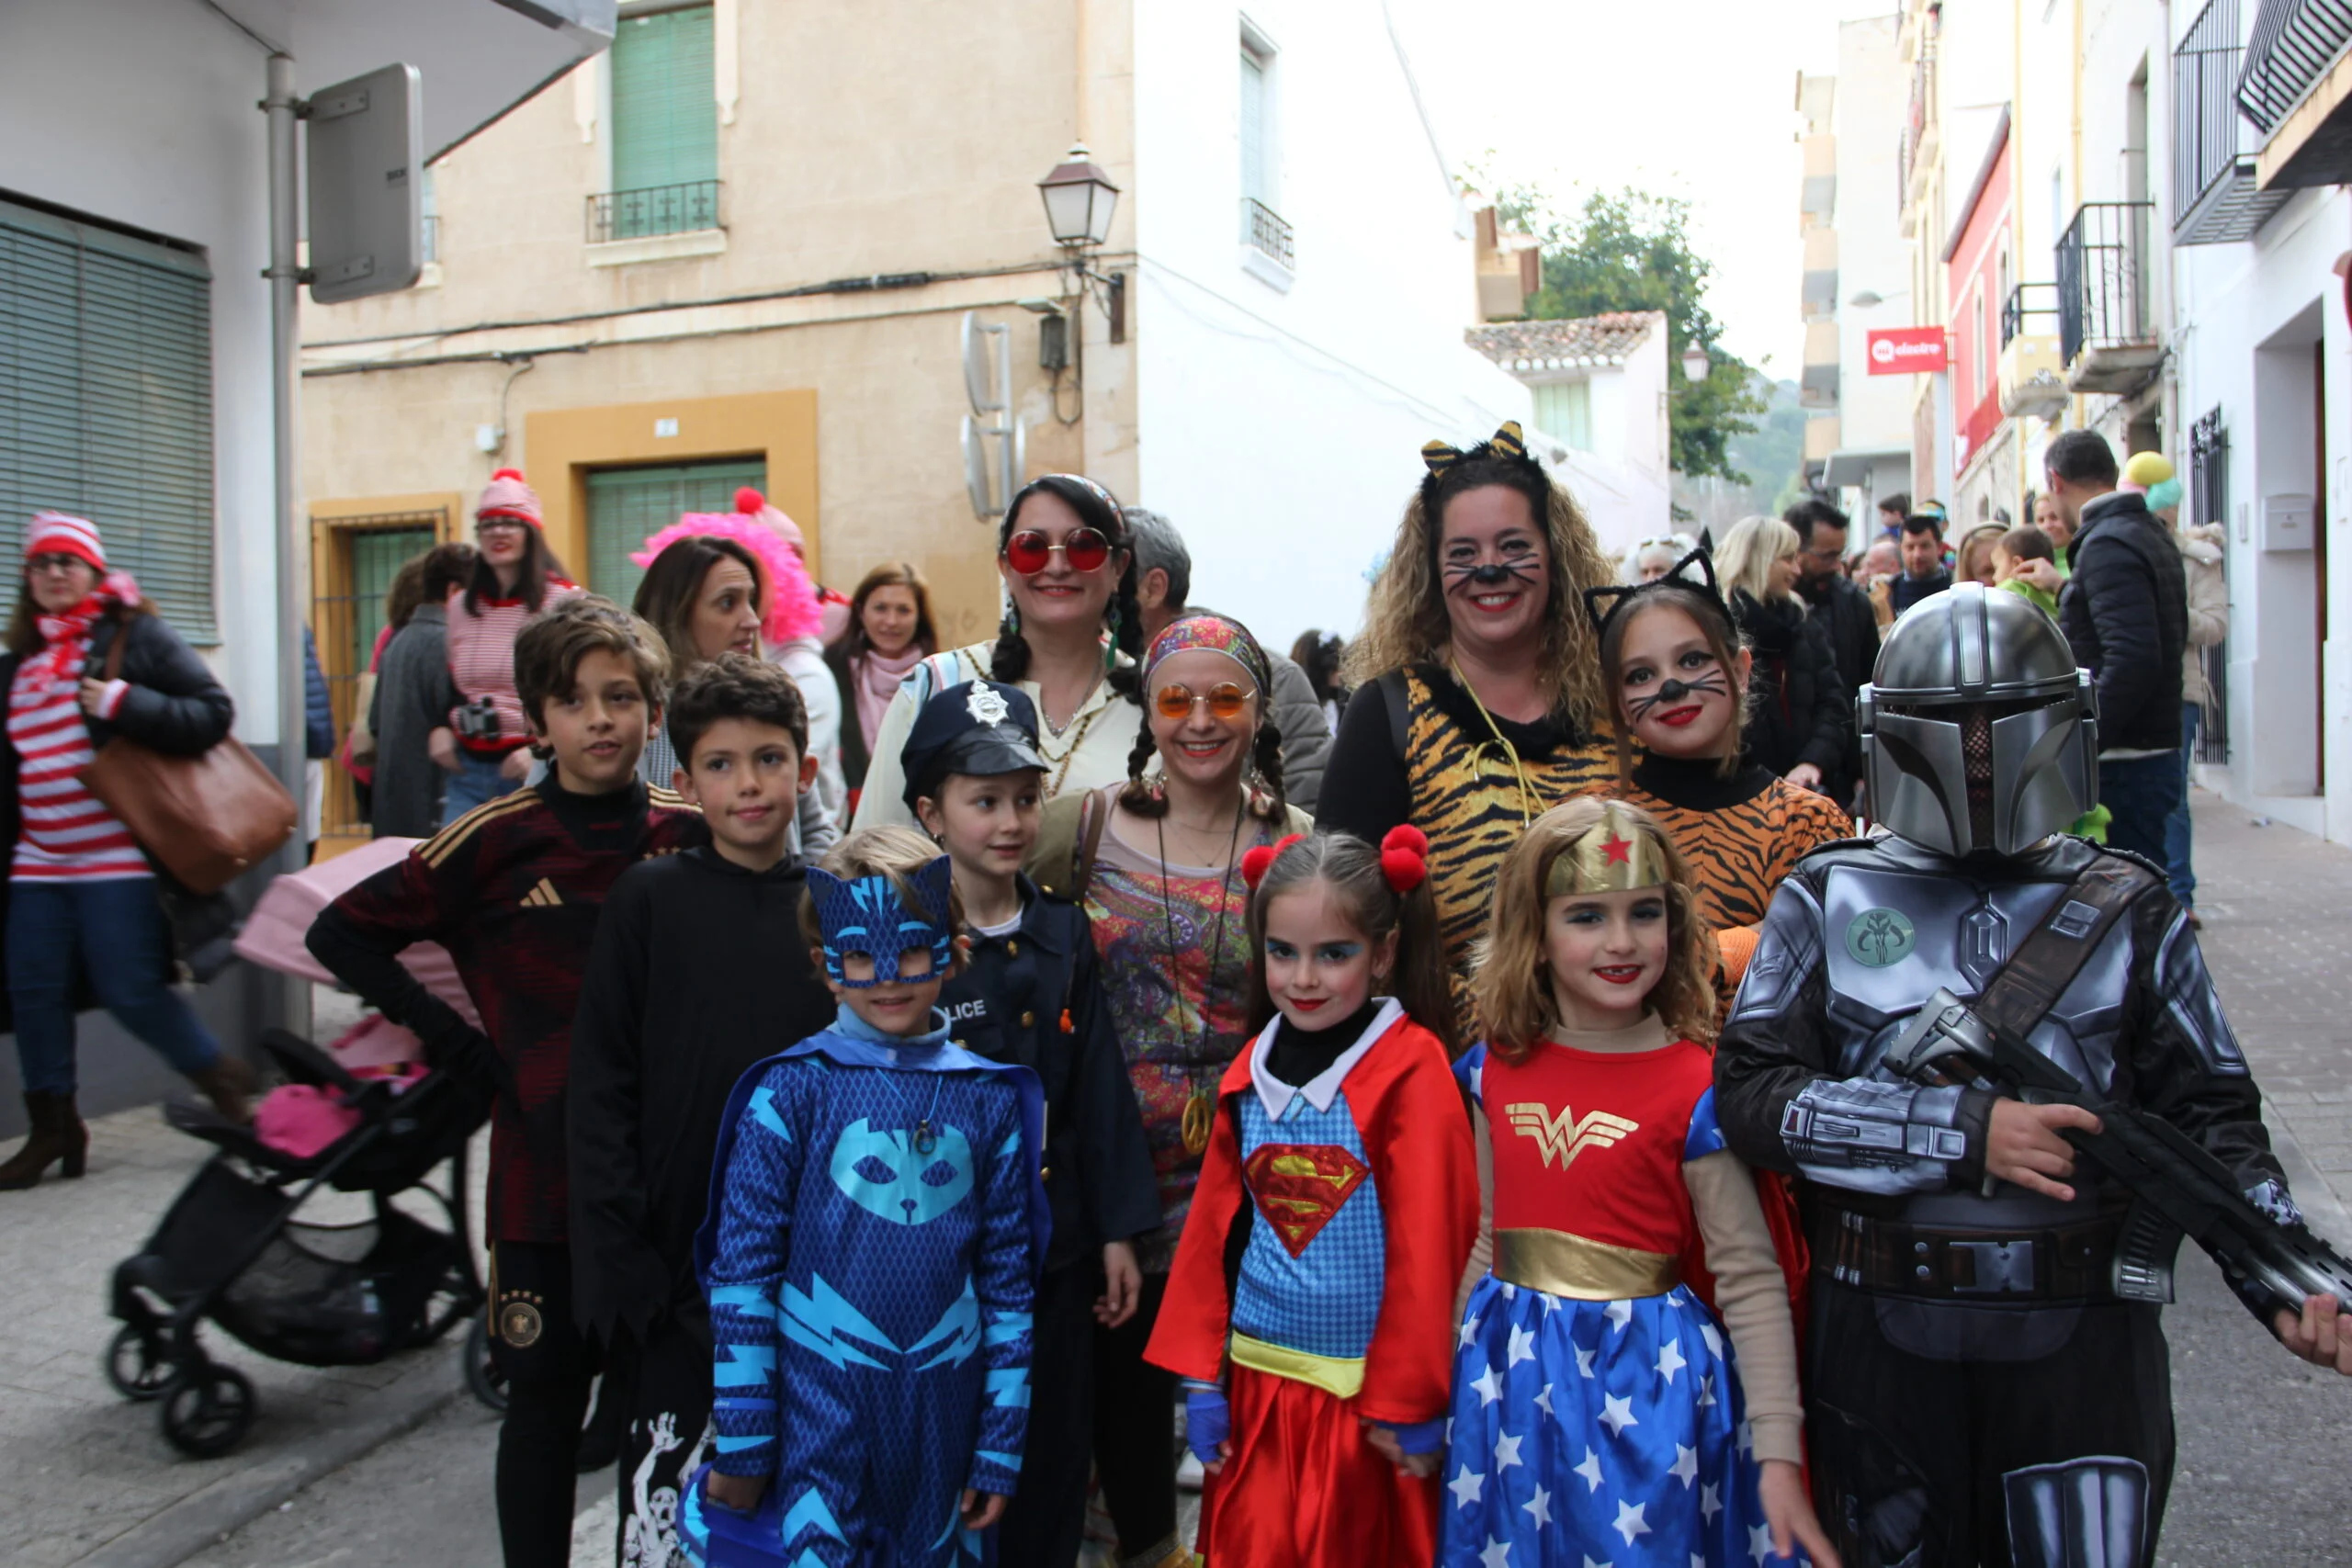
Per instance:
(885,1175)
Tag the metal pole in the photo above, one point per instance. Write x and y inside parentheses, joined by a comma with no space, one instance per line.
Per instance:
(292,538)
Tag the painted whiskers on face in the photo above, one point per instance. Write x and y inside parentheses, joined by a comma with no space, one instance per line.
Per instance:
(1676,690)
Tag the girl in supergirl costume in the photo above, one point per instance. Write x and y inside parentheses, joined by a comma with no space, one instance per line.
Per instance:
(1598,1414)
(1309,1307)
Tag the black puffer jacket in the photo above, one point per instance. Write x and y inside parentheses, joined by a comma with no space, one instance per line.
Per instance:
(2125,610)
(174,706)
(1798,710)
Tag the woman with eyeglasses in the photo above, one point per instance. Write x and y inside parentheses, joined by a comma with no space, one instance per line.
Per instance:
(1155,860)
(1069,640)
(486,744)
(1479,703)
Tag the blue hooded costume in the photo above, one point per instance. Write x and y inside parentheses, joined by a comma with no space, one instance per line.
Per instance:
(877,1218)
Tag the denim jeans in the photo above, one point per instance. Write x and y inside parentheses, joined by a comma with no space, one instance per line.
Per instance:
(2178,872)
(476,782)
(117,930)
(2141,792)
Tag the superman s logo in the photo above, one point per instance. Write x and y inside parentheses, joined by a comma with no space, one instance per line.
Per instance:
(1300,1186)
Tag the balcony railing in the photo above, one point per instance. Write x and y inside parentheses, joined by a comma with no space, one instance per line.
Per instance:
(2294,42)
(657,209)
(2102,279)
(2043,300)
(2208,492)
(2216,200)
(1263,230)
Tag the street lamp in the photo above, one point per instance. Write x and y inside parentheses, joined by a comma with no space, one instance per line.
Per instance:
(1080,199)
(1695,363)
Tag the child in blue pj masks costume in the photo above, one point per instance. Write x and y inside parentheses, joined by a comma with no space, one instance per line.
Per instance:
(877,1218)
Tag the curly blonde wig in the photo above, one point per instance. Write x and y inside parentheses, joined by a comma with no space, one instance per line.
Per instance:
(1405,616)
(1512,987)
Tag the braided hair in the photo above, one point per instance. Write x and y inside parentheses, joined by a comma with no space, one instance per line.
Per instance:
(1123,617)
(1267,801)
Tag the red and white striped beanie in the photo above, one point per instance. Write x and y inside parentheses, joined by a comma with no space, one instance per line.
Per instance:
(60,534)
(507,495)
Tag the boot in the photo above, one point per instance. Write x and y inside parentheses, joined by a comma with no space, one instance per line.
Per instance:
(229,1083)
(57,1134)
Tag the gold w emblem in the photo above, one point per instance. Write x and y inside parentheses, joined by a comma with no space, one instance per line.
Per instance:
(1565,1136)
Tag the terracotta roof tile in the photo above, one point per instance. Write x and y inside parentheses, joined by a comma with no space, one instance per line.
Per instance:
(1597,340)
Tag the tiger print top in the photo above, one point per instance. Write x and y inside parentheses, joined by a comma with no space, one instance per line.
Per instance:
(1741,835)
(1448,775)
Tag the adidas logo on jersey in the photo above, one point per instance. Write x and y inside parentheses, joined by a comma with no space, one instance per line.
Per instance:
(543,897)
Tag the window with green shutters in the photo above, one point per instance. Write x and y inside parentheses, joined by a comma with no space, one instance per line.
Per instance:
(626,506)
(1564,411)
(105,399)
(665,125)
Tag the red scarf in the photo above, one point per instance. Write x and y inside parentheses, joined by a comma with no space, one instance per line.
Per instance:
(65,639)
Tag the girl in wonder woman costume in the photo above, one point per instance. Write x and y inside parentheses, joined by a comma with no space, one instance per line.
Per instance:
(1599,1413)
(1340,1177)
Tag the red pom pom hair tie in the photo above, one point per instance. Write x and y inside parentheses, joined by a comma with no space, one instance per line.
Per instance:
(1404,857)
(1260,856)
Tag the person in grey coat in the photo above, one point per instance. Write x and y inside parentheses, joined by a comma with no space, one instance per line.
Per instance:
(1163,578)
(413,697)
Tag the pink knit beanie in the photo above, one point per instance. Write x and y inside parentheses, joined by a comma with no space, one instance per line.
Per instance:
(507,495)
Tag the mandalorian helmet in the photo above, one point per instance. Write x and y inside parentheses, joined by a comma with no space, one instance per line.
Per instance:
(1979,734)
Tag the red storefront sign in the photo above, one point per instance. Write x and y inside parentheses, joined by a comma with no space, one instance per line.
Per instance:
(1900,351)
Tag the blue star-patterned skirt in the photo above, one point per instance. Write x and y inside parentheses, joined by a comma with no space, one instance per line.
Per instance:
(1588,1433)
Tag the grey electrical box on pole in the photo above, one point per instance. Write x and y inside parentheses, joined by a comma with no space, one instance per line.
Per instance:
(365,151)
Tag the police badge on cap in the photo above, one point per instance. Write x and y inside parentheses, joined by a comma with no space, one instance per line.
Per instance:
(982,727)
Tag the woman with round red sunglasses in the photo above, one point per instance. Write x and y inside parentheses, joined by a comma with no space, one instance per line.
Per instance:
(1155,862)
(1069,639)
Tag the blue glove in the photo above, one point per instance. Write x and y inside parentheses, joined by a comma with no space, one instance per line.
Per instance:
(1207,1420)
(1422,1437)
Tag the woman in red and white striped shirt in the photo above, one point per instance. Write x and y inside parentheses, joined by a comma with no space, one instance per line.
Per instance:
(84,924)
(486,746)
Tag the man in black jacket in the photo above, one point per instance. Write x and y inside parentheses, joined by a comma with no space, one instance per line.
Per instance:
(2125,611)
(1840,610)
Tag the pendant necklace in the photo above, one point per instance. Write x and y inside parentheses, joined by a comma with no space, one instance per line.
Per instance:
(925,1140)
(1199,1105)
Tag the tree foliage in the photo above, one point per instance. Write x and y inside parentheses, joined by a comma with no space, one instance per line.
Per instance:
(1629,250)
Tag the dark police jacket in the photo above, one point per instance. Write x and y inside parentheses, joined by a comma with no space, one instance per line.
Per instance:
(1035,998)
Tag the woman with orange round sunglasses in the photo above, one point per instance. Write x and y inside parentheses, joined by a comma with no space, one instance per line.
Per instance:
(1069,639)
(1155,862)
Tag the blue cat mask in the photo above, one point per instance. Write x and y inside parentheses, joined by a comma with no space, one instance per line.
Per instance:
(890,1175)
(867,916)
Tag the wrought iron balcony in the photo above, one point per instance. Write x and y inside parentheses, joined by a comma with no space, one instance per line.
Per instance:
(2294,94)
(1263,230)
(2106,332)
(2216,199)
(679,208)
(2043,300)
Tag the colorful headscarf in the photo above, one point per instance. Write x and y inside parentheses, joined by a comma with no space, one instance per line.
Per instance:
(1211,634)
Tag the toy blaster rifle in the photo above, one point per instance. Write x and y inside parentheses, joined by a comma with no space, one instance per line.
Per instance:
(2182,1189)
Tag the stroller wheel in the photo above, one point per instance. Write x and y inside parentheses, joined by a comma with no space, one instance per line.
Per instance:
(482,1376)
(207,1412)
(137,1364)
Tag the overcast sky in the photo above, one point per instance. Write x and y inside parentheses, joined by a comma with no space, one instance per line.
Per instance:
(1695,98)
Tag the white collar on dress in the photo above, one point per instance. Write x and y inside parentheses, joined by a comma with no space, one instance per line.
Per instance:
(1275,1095)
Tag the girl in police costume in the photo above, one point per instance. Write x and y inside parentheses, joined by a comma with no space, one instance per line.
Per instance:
(1598,1414)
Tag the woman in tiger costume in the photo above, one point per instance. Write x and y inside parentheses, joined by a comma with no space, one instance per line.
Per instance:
(1480,703)
(1671,659)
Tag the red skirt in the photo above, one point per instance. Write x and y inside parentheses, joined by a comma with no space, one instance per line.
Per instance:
(1306,1489)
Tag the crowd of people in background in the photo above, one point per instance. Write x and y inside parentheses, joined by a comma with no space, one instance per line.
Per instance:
(1126,846)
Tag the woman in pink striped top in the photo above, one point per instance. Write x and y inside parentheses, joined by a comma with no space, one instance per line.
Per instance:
(83,924)
(486,746)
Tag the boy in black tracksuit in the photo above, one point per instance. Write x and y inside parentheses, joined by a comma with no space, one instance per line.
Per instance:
(1031,995)
(699,970)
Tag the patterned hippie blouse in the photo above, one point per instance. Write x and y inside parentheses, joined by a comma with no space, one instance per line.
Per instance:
(1155,988)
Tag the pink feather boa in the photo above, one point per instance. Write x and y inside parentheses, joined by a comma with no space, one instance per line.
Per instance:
(790,595)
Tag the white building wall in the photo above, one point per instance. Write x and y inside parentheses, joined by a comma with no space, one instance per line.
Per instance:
(143,115)
(1873,95)
(1280,427)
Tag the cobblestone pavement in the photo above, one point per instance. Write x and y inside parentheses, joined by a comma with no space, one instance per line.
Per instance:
(2260,1483)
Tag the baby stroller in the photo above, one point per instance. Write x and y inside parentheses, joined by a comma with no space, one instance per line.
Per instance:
(354,1118)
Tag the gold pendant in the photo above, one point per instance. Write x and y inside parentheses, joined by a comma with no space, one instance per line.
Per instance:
(1200,1115)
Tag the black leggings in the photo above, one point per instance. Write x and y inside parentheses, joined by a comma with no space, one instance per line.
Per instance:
(548,1369)
(1135,1441)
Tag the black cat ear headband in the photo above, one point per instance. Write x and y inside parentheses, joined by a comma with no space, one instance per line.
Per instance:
(1609,600)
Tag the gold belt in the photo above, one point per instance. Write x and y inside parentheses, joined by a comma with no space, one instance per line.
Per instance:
(1342,1377)
(1560,1264)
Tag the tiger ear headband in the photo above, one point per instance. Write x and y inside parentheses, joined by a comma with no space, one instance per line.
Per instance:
(1508,444)
(1609,600)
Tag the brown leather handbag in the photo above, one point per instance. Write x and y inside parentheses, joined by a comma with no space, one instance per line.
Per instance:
(206,819)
